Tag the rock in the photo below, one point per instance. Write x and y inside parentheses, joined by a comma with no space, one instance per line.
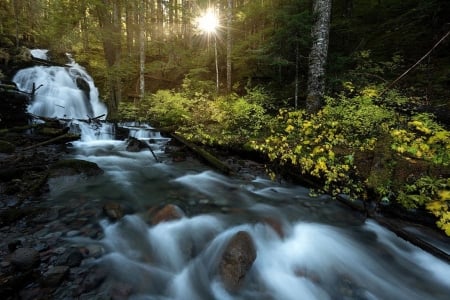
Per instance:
(121,291)
(95,278)
(25,258)
(54,276)
(6,147)
(69,167)
(237,260)
(113,211)
(135,145)
(167,213)
(72,258)
(276,225)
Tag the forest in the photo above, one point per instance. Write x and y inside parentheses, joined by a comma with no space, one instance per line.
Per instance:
(350,96)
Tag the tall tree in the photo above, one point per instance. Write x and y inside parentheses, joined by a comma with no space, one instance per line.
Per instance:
(318,55)
(108,12)
(229,42)
(142,43)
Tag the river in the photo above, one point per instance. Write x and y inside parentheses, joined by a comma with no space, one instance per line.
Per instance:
(317,249)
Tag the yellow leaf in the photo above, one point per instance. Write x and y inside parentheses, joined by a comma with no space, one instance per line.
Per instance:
(444,195)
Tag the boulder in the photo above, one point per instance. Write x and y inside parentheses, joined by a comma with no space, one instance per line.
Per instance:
(237,260)
(54,276)
(167,213)
(135,145)
(69,167)
(25,258)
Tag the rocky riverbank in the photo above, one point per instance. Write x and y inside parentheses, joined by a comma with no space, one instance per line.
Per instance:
(39,258)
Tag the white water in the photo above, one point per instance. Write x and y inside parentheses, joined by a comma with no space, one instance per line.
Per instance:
(57,94)
(325,251)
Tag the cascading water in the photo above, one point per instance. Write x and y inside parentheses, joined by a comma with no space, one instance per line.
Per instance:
(306,248)
(66,93)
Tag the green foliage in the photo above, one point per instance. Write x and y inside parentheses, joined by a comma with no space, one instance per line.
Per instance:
(168,108)
(423,138)
(226,120)
(322,145)
(431,193)
(200,115)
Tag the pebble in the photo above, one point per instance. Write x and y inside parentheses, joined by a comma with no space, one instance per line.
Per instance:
(72,233)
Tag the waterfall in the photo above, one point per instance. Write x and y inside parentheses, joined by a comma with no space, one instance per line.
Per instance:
(61,92)
(65,93)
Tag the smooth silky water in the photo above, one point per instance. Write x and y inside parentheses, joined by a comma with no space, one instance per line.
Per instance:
(324,251)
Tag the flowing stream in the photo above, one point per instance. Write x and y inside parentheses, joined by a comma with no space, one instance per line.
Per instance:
(317,249)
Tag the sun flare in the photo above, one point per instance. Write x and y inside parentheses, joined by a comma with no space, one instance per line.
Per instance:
(208,22)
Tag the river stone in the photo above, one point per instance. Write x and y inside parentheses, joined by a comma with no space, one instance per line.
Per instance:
(237,260)
(135,145)
(54,276)
(71,258)
(25,258)
(113,211)
(69,167)
(169,212)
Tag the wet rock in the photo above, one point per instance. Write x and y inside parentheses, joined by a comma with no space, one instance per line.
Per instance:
(69,167)
(71,258)
(169,212)
(94,279)
(54,276)
(25,258)
(11,283)
(135,145)
(113,211)
(93,251)
(276,225)
(121,291)
(12,246)
(237,260)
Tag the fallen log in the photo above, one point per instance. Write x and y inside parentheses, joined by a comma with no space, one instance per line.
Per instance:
(62,139)
(410,237)
(205,155)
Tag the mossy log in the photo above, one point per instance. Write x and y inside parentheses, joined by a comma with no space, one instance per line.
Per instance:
(205,155)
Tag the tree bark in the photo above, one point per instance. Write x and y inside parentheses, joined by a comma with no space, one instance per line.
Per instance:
(229,43)
(108,13)
(142,42)
(318,54)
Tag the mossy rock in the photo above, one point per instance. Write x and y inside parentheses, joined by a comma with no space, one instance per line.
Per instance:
(6,147)
(69,167)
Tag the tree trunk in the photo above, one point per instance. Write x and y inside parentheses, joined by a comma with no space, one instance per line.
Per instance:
(111,35)
(229,43)
(142,43)
(297,69)
(318,55)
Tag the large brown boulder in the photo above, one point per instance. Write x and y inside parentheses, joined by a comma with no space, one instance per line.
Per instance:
(167,213)
(237,260)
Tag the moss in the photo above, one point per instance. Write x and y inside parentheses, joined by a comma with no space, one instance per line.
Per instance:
(6,147)
(70,167)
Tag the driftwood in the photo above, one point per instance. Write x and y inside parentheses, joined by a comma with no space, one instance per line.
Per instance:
(205,155)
